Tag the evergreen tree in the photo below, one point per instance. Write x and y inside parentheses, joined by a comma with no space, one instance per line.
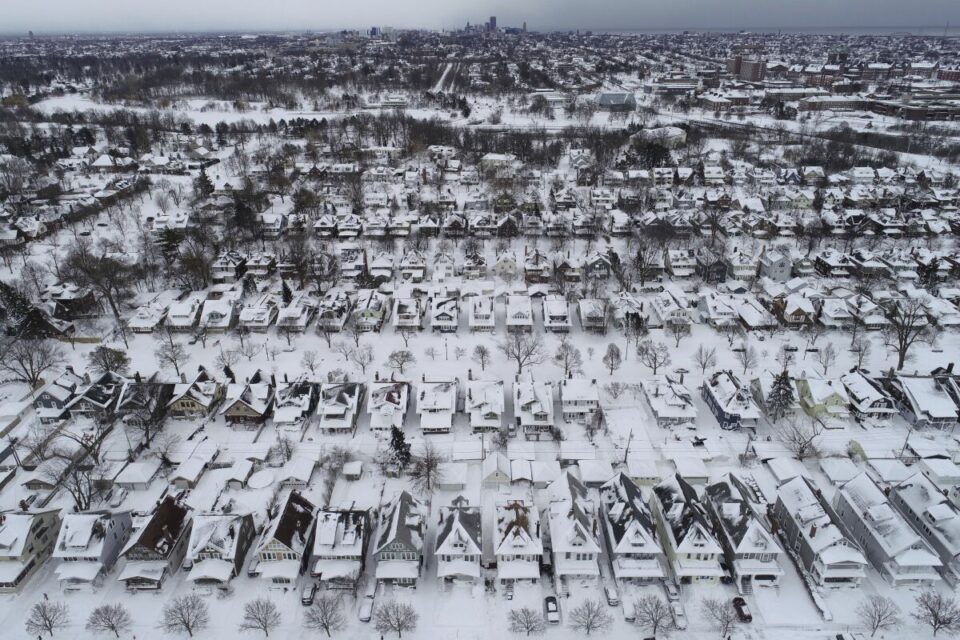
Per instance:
(399,447)
(286,293)
(202,186)
(929,273)
(781,396)
(228,372)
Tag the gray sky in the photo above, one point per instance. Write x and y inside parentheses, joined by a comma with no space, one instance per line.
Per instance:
(77,16)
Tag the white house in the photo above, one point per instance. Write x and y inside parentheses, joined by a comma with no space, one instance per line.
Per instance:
(631,534)
(458,546)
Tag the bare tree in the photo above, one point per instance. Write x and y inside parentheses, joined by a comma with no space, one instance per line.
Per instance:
(705,358)
(112,618)
(431,352)
(27,360)
(908,326)
(170,351)
(523,349)
(46,617)
(481,355)
(653,613)
(325,614)
(396,616)
(309,361)
(526,621)
(679,331)
(878,613)
(249,349)
(427,469)
(747,357)
(104,359)
(653,355)
(186,614)
(362,357)
(405,334)
(75,479)
(568,357)
(719,614)
(800,437)
(590,616)
(863,348)
(827,357)
(937,611)
(344,348)
(612,359)
(400,359)
(260,615)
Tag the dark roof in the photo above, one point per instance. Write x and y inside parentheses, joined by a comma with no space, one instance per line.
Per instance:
(165,526)
(297,517)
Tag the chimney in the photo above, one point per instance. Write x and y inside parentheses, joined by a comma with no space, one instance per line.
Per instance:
(950,368)
(813,530)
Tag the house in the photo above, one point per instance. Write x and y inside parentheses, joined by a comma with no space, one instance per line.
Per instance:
(729,401)
(249,403)
(794,310)
(218,316)
(813,532)
(283,550)
(413,266)
(574,530)
(533,408)
(157,545)
(892,546)
(295,317)
(868,398)
(760,388)
(334,311)
(669,400)
(685,532)
(617,102)
(26,541)
(339,407)
(822,399)
(518,547)
(593,315)
(436,405)
(407,314)
(294,402)
(259,315)
(481,316)
(298,471)
(579,399)
(340,548)
(458,545)
(88,546)
(218,546)
(228,267)
(749,548)
(184,315)
(138,475)
(371,310)
(519,314)
(51,402)
(195,399)
(444,313)
(933,515)
(631,536)
(99,397)
(387,404)
(484,403)
(710,266)
(923,401)
(399,548)
(556,314)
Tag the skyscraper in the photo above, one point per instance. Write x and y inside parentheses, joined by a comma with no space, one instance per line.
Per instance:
(492,25)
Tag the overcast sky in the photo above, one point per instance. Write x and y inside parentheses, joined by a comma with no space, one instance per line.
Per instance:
(78,16)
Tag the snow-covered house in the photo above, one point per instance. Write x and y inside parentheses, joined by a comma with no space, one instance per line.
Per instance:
(334,310)
(407,314)
(399,549)
(340,547)
(484,403)
(218,316)
(88,546)
(923,401)
(729,401)
(574,530)
(371,310)
(593,314)
(518,544)
(579,399)
(822,399)
(933,515)
(26,541)
(218,546)
(184,315)
(387,404)
(533,408)
(631,535)
(197,398)
(810,527)
(284,547)
(458,546)
(867,396)
(892,546)
(157,545)
(444,313)
(413,266)
(260,314)
(339,407)
(556,314)
(437,404)
(749,547)
(481,316)
(294,402)
(248,403)
(519,313)
(296,316)
(685,532)
(670,401)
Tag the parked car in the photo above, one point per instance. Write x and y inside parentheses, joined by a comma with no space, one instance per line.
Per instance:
(673,593)
(366,609)
(307,594)
(679,616)
(612,598)
(629,613)
(743,611)
(551,610)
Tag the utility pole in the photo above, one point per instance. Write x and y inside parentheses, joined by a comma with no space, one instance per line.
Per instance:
(627,452)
